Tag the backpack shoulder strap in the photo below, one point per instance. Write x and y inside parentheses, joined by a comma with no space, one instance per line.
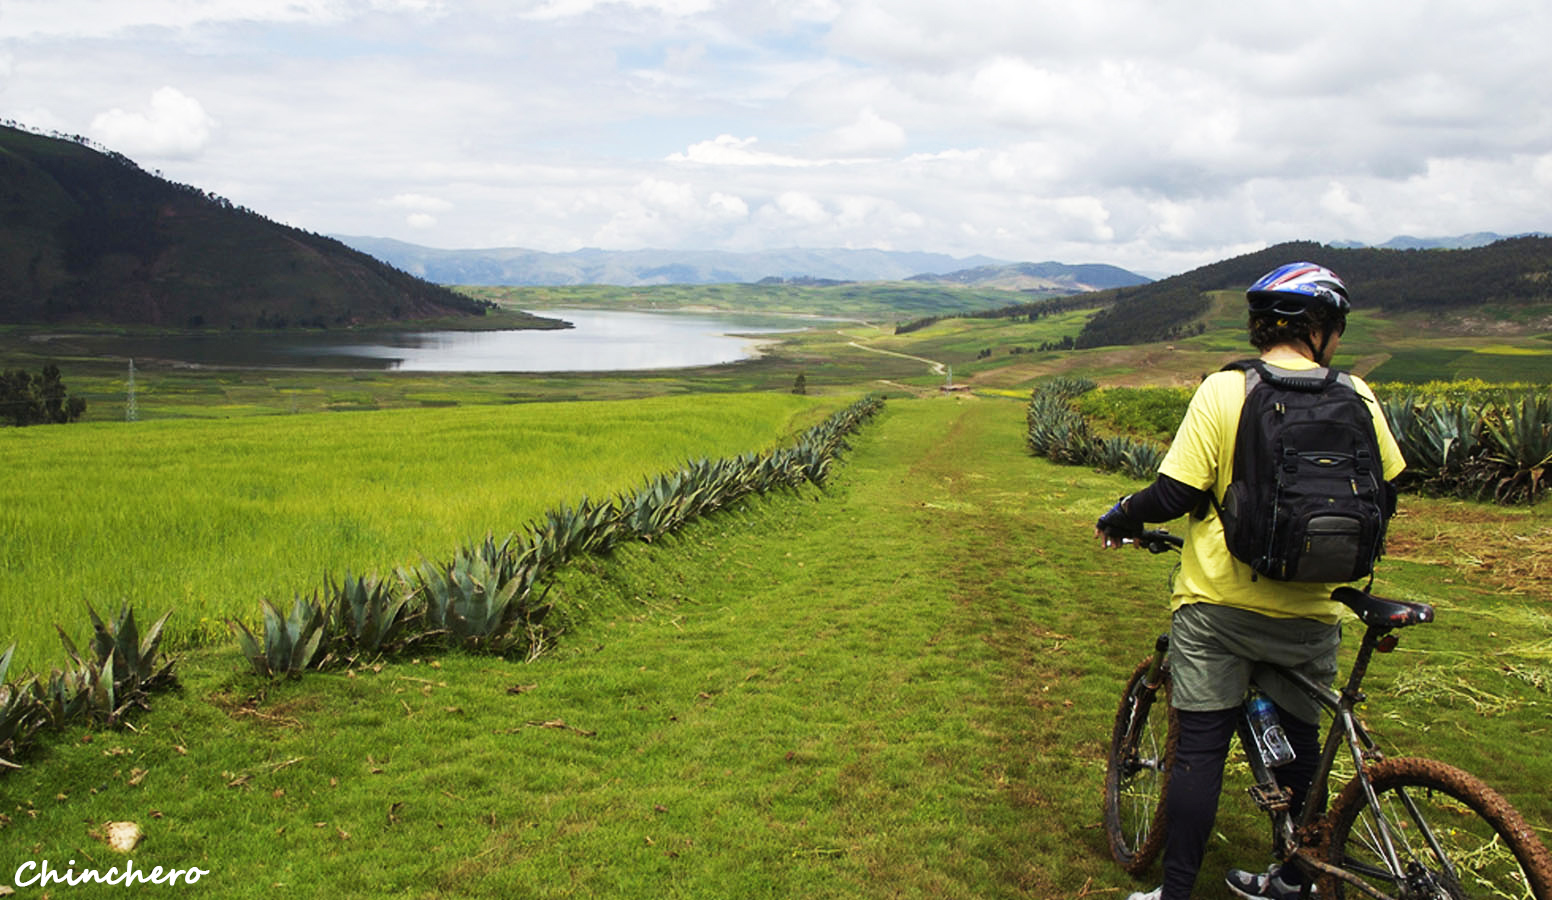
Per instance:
(1312,381)
(1253,369)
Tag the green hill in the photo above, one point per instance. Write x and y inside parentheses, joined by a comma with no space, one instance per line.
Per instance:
(1503,281)
(87,236)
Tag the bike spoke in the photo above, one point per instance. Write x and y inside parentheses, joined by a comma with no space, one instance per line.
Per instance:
(1445,849)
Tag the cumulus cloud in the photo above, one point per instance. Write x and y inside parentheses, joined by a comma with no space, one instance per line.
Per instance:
(98,18)
(871,133)
(562,9)
(173,126)
(418,202)
(1151,135)
(727,150)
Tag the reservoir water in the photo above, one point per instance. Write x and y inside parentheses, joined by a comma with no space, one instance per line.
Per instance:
(601,341)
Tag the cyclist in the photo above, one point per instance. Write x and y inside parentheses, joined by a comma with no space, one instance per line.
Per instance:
(1224,620)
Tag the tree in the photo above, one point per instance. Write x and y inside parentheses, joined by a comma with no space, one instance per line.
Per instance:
(27,399)
(800,385)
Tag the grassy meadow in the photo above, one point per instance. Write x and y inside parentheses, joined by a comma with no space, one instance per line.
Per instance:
(901,685)
(208,516)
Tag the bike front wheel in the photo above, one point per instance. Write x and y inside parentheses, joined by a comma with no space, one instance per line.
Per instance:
(1453,837)
(1142,747)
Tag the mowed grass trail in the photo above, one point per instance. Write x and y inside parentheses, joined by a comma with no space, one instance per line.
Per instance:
(900,686)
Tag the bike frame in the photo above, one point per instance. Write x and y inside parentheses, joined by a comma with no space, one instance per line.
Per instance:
(1298,839)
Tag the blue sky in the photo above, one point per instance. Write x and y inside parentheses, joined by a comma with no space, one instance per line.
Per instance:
(1152,134)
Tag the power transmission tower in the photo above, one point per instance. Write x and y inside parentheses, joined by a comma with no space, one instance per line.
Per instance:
(131,414)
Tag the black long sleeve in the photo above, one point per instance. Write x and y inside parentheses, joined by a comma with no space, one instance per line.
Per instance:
(1163,500)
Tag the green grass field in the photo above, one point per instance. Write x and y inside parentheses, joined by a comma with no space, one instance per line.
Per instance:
(898,686)
(209,516)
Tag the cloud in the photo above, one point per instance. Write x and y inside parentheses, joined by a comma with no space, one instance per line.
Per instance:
(801,207)
(871,133)
(563,9)
(1150,135)
(100,18)
(727,150)
(174,126)
(419,202)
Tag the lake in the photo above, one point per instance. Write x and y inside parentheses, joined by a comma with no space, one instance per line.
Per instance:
(601,341)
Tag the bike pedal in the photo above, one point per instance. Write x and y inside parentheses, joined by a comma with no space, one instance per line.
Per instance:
(1271,798)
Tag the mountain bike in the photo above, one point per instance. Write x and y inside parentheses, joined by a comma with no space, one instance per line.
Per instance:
(1399,829)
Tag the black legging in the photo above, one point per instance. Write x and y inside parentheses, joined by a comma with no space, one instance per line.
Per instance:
(1196,779)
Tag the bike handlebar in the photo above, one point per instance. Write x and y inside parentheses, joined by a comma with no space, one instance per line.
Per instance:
(1157,540)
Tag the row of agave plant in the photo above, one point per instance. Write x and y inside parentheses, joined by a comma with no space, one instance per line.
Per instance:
(114,675)
(1060,433)
(492,596)
(489,598)
(1499,450)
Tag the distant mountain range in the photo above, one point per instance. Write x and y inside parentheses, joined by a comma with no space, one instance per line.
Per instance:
(1459,242)
(88,236)
(635,268)
(638,268)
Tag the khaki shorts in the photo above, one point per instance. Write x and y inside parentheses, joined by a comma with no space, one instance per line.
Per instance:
(1215,652)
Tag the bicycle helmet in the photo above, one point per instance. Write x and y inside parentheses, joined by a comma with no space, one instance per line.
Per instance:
(1292,289)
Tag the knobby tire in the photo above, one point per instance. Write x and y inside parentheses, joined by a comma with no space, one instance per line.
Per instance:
(1493,852)
(1137,773)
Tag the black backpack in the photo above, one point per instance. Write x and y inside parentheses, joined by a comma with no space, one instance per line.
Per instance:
(1307,500)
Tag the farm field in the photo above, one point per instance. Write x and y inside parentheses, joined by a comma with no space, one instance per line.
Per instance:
(899,685)
(210,516)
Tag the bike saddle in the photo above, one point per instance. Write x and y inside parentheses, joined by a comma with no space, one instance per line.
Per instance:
(1380,611)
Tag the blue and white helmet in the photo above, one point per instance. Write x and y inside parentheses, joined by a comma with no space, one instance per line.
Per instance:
(1292,289)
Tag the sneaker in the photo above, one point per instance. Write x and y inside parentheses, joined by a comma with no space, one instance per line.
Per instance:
(1154,894)
(1268,884)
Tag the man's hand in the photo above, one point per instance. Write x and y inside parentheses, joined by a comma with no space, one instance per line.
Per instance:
(1115,526)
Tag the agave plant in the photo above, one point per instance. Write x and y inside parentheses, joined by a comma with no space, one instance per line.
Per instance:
(1137,459)
(568,532)
(658,507)
(812,461)
(480,599)
(134,656)
(1519,449)
(369,613)
(1437,437)
(62,696)
(20,713)
(1054,429)
(290,643)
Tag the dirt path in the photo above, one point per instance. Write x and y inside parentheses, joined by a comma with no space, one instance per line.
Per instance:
(937,367)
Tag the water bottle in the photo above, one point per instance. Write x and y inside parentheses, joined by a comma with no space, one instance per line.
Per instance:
(1270,737)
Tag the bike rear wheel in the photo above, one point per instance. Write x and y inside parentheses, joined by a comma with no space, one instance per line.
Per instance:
(1142,748)
(1454,837)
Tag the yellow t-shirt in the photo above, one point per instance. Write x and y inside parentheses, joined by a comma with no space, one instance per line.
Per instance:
(1202,456)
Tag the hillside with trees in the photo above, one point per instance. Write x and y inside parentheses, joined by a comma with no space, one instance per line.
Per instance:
(1515,272)
(1040,276)
(88,236)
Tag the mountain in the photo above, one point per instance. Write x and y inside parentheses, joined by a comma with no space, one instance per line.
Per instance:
(87,236)
(636,268)
(1459,242)
(1039,276)
(1510,274)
